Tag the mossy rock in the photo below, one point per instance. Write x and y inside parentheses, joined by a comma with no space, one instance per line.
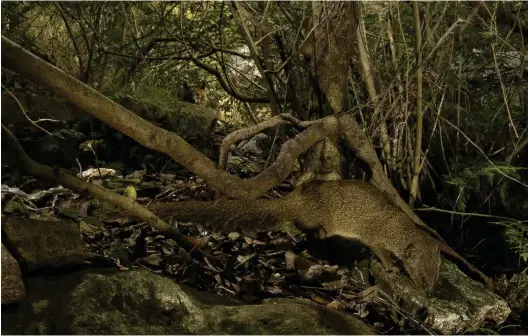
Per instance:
(140,302)
(190,121)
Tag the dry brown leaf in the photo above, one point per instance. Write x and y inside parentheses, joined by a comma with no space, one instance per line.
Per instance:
(218,279)
(233,236)
(236,287)
(295,262)
(338,284)
(336,305)
(368,294)
(317,298)
(153,260)
(198,242)
(274,290)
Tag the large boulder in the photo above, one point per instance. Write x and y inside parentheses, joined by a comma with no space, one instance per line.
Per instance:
(186,119)
(141,302)
(38,107)
(69,127)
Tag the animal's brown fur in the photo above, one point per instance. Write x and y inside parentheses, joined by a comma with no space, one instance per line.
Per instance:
(195,94)
(350,209)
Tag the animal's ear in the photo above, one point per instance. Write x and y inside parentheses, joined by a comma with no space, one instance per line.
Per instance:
(202,85)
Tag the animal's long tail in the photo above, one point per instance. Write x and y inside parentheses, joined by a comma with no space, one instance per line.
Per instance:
(225,215)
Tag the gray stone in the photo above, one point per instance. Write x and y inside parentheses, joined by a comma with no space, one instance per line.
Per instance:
(141,302)
(457,303)
(39,243)
(185,119)
(12,285)
(190,120)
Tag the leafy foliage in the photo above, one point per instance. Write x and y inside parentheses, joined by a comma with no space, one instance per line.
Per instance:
(486,182)
(517,236)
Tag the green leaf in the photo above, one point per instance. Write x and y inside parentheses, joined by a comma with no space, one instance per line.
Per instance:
(524,256)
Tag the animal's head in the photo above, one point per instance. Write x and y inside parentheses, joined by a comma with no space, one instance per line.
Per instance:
(422,262)
(195,94)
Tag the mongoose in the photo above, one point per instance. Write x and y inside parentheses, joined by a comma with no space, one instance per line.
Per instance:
(346,208)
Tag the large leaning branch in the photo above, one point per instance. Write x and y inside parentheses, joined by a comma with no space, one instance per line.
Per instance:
(17,157)
(62,85)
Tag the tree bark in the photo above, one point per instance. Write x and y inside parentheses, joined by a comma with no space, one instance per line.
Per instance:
(334,24)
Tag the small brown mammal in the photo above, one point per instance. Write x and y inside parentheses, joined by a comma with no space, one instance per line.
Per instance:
(195,94)
(350,209)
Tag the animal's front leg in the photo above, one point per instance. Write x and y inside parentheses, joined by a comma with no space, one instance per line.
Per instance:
(386,259)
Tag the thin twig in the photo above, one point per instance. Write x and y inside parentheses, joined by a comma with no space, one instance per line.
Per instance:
(503,90)
(274,100)
(483,154)
(24,112)
(467,214)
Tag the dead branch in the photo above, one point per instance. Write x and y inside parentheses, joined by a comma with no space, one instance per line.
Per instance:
(18,158)
(225,85)
(71,36)
(252,115)
(419,111)
(448,33)
(503,17)
(368,78)
(521,143)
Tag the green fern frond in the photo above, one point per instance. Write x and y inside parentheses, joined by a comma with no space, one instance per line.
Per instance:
(480,178)
(517,236)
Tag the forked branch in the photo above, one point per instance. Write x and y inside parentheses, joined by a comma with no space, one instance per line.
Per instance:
(246,133)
